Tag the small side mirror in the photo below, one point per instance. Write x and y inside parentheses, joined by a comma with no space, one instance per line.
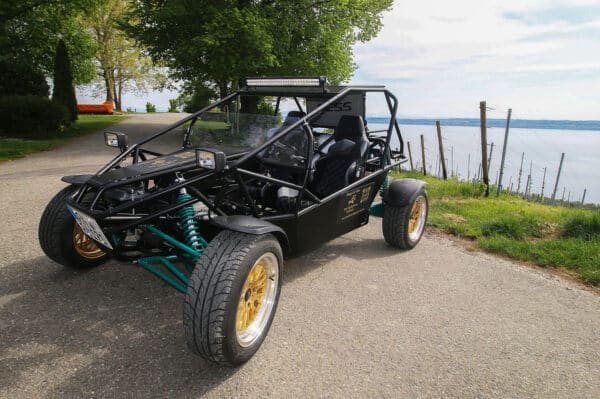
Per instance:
(210,159)
(116,139)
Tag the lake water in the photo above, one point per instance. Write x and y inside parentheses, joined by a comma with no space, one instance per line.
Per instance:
(542,148)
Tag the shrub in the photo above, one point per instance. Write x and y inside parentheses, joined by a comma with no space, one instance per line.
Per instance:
(582,225)
(150,107)
(173,105)
(21,79)
(195,96)
(32,117)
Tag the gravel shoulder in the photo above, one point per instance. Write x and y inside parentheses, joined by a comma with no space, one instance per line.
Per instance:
(356,317)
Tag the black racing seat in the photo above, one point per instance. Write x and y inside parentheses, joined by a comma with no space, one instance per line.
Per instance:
(344,161)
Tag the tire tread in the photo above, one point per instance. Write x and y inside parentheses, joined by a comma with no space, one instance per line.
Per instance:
(209,293)
(51,233)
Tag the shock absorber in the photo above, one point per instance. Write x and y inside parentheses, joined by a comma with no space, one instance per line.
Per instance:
(189,225)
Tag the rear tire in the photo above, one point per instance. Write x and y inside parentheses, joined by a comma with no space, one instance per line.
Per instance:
(61,238)
(232,296)
(404,226)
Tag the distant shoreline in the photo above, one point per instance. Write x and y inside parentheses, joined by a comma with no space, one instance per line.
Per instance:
(515,123)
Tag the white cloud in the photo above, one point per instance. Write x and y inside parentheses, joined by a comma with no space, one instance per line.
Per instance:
(446,57)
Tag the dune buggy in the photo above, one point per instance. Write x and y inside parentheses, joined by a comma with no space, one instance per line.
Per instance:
(243,189)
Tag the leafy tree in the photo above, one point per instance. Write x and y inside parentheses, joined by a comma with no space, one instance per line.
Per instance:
(121,64)
(30,31)
(63,91)
(20,79)
(195,96)
(221,42)
(173,105)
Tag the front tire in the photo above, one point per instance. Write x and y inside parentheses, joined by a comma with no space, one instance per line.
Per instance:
(403,226)
(61,238)
(232,296)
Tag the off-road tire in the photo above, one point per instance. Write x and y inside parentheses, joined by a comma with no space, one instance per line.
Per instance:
(396,222)
(55,234)
(214,293)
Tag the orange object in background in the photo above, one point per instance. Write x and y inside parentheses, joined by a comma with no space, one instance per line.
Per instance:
(104,108)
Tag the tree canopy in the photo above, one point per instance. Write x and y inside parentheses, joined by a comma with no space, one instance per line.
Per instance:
(63,91)
(220,42)
(30,31)
(121,63)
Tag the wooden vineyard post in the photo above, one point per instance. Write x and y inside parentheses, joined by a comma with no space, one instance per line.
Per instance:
(543,185)
(441,145)
(423,155)
(520,173)
(526,191)
(412,168)
(469,167)
(484,157)
(499,188)
(562,158)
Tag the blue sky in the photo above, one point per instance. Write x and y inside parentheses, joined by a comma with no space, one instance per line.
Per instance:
(539,57)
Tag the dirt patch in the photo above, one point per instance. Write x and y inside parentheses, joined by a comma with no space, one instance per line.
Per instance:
(453,217)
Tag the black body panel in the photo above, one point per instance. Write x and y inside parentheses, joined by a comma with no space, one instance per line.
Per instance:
(77,180)
(335,216)
(252,225)
(180,160)
(402,192)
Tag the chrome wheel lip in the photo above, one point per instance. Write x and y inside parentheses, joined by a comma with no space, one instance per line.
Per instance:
(421,218)
(253,332)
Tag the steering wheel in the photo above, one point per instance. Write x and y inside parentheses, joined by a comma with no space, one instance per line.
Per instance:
(282,155)
(376,147)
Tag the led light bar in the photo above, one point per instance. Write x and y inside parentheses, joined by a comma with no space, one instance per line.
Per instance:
(283,82)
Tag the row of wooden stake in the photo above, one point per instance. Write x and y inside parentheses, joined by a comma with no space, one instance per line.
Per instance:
(483,173)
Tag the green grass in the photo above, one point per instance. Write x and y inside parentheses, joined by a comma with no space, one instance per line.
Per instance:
(11,148)
(541,234)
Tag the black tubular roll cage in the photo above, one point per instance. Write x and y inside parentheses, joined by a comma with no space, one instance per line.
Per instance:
(386,162)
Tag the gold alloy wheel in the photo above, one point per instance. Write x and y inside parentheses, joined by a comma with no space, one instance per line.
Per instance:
(416,222)
(85,246)
(257,299)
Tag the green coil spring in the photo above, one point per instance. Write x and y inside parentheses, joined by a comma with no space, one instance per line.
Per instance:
(189,225)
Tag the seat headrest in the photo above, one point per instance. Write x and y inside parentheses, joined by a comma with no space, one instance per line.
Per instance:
(292,117)
(349,127)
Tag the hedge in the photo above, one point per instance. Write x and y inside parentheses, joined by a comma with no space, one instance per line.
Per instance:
(32,117)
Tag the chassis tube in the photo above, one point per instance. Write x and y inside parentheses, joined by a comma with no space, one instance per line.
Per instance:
(123,155)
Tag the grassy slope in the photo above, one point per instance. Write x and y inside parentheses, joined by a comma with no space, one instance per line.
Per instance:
(17,148)
(542,234)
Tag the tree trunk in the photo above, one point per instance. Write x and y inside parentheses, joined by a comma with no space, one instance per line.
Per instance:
(222,89)
(249,104)
(109,83)
(114,89)
(119,93)
(119,103)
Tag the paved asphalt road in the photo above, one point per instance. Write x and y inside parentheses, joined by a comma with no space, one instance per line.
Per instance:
(356,318)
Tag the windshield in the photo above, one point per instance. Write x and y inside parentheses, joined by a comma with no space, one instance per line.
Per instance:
(236,126)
